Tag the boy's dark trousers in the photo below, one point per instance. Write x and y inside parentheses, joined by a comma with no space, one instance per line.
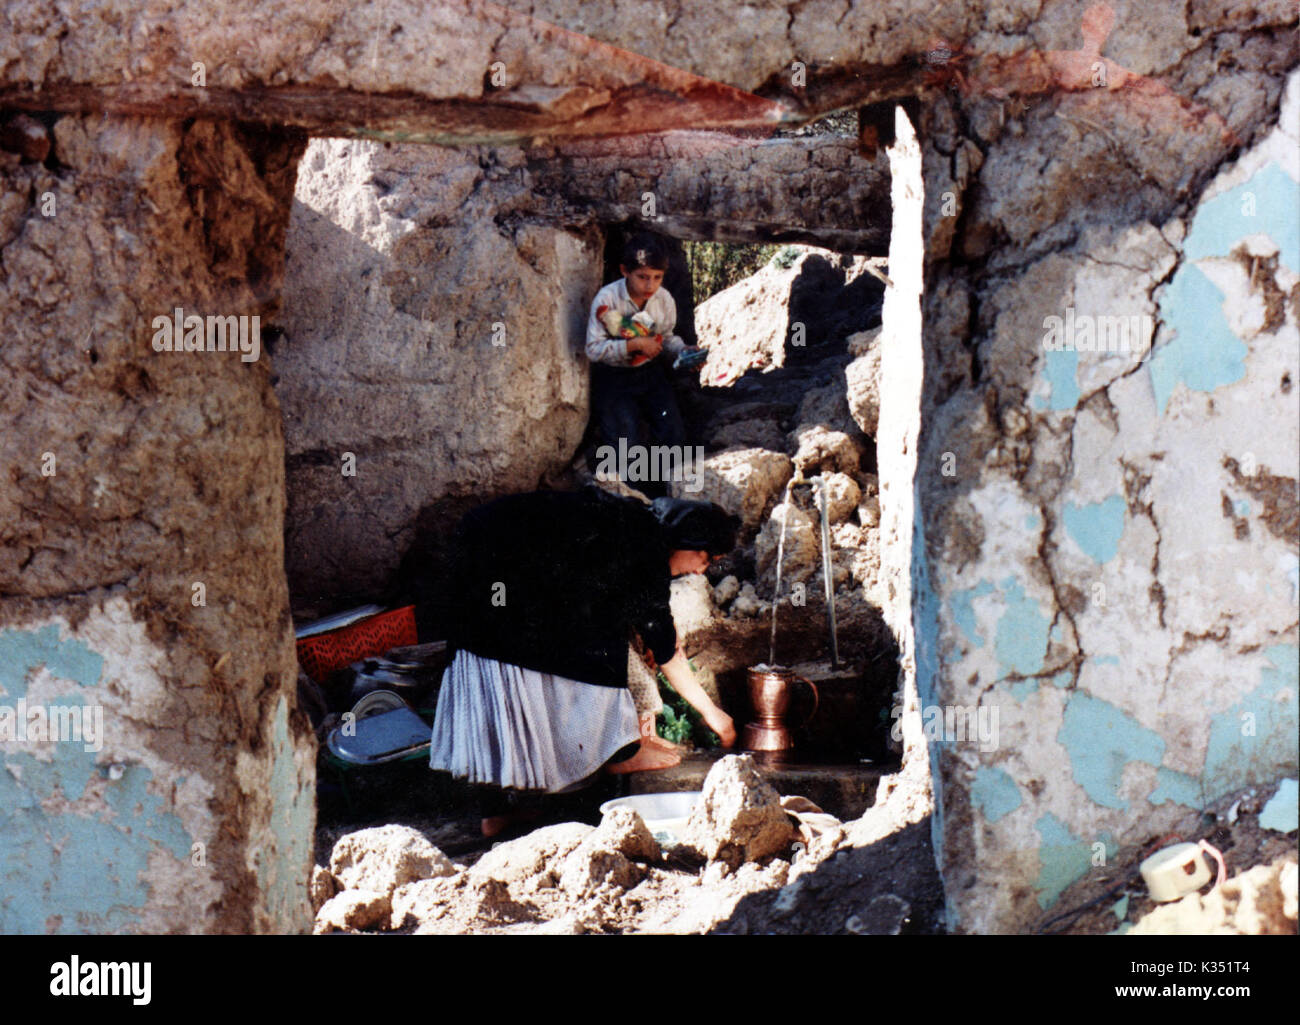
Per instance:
(636,403)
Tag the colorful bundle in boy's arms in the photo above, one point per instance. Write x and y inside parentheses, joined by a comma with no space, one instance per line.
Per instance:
(620,325)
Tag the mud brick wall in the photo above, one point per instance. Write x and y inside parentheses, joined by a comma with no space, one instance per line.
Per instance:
(141,571)
(1099,546)
(1105,558)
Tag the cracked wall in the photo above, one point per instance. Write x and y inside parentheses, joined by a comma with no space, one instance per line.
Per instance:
(432,354)
(712,186)
(1076,515)
(1106,482)
(141,572)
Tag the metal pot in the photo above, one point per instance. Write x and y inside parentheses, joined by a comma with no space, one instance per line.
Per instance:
(770,690)
(412,680)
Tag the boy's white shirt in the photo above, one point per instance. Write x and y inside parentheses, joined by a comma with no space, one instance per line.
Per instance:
(601,348)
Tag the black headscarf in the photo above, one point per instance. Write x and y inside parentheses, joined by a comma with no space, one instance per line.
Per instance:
(696,526)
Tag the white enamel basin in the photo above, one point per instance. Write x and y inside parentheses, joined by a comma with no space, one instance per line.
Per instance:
(665,814)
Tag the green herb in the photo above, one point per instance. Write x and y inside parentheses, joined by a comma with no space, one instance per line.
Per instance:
(672,727)
(679,721)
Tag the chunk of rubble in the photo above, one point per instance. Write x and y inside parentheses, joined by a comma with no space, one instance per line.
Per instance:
(691,602)
(353,910)
(728,587)
(465,903)
(802,557)
(745,482)
(869,500)
(486,900)
(863,378)
(843,495)
(747,603)
(424,900)
(623,830)
(385,857)
(589,870)
(818,449)
(533,859)
(739,817)
(611,857)
(322,887)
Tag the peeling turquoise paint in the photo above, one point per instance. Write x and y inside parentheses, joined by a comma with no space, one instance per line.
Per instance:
(1062,371)
(1222,222)
(1063,679)
(1097,527)
(1022,689)
(925,619)
(1235,758)
(1021,638)
(994,793)
(74,872)
(925,636)
(21,651)
(1282,813)
(1063,858)
(1120,907)
(1205,354)
(1241,508)
(963,613)
(1033,521)
(282,872)
(1177,787)
(1101,739)
(1105,660)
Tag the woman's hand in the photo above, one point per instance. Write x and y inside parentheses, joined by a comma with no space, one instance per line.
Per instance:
(721,724)
(678,671)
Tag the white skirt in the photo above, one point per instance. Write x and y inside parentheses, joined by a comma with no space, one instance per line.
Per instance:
(514,727)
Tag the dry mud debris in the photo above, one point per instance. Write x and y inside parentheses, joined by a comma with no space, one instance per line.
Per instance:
(572,878)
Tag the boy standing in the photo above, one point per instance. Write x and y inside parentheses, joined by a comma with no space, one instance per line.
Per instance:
(630,380)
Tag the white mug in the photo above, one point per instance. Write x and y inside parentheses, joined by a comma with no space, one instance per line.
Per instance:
(1175,872)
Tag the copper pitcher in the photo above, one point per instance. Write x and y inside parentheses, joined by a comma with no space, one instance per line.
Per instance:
(770,690)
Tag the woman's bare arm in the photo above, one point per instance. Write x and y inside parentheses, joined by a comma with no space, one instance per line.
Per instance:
(682,677)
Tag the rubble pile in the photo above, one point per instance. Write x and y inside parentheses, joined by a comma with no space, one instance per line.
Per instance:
(367,868)
(574,878)
(739,817)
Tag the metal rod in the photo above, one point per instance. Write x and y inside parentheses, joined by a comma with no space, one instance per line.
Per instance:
(823,501)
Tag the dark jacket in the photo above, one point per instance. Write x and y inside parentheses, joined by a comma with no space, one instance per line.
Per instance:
(558,582)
